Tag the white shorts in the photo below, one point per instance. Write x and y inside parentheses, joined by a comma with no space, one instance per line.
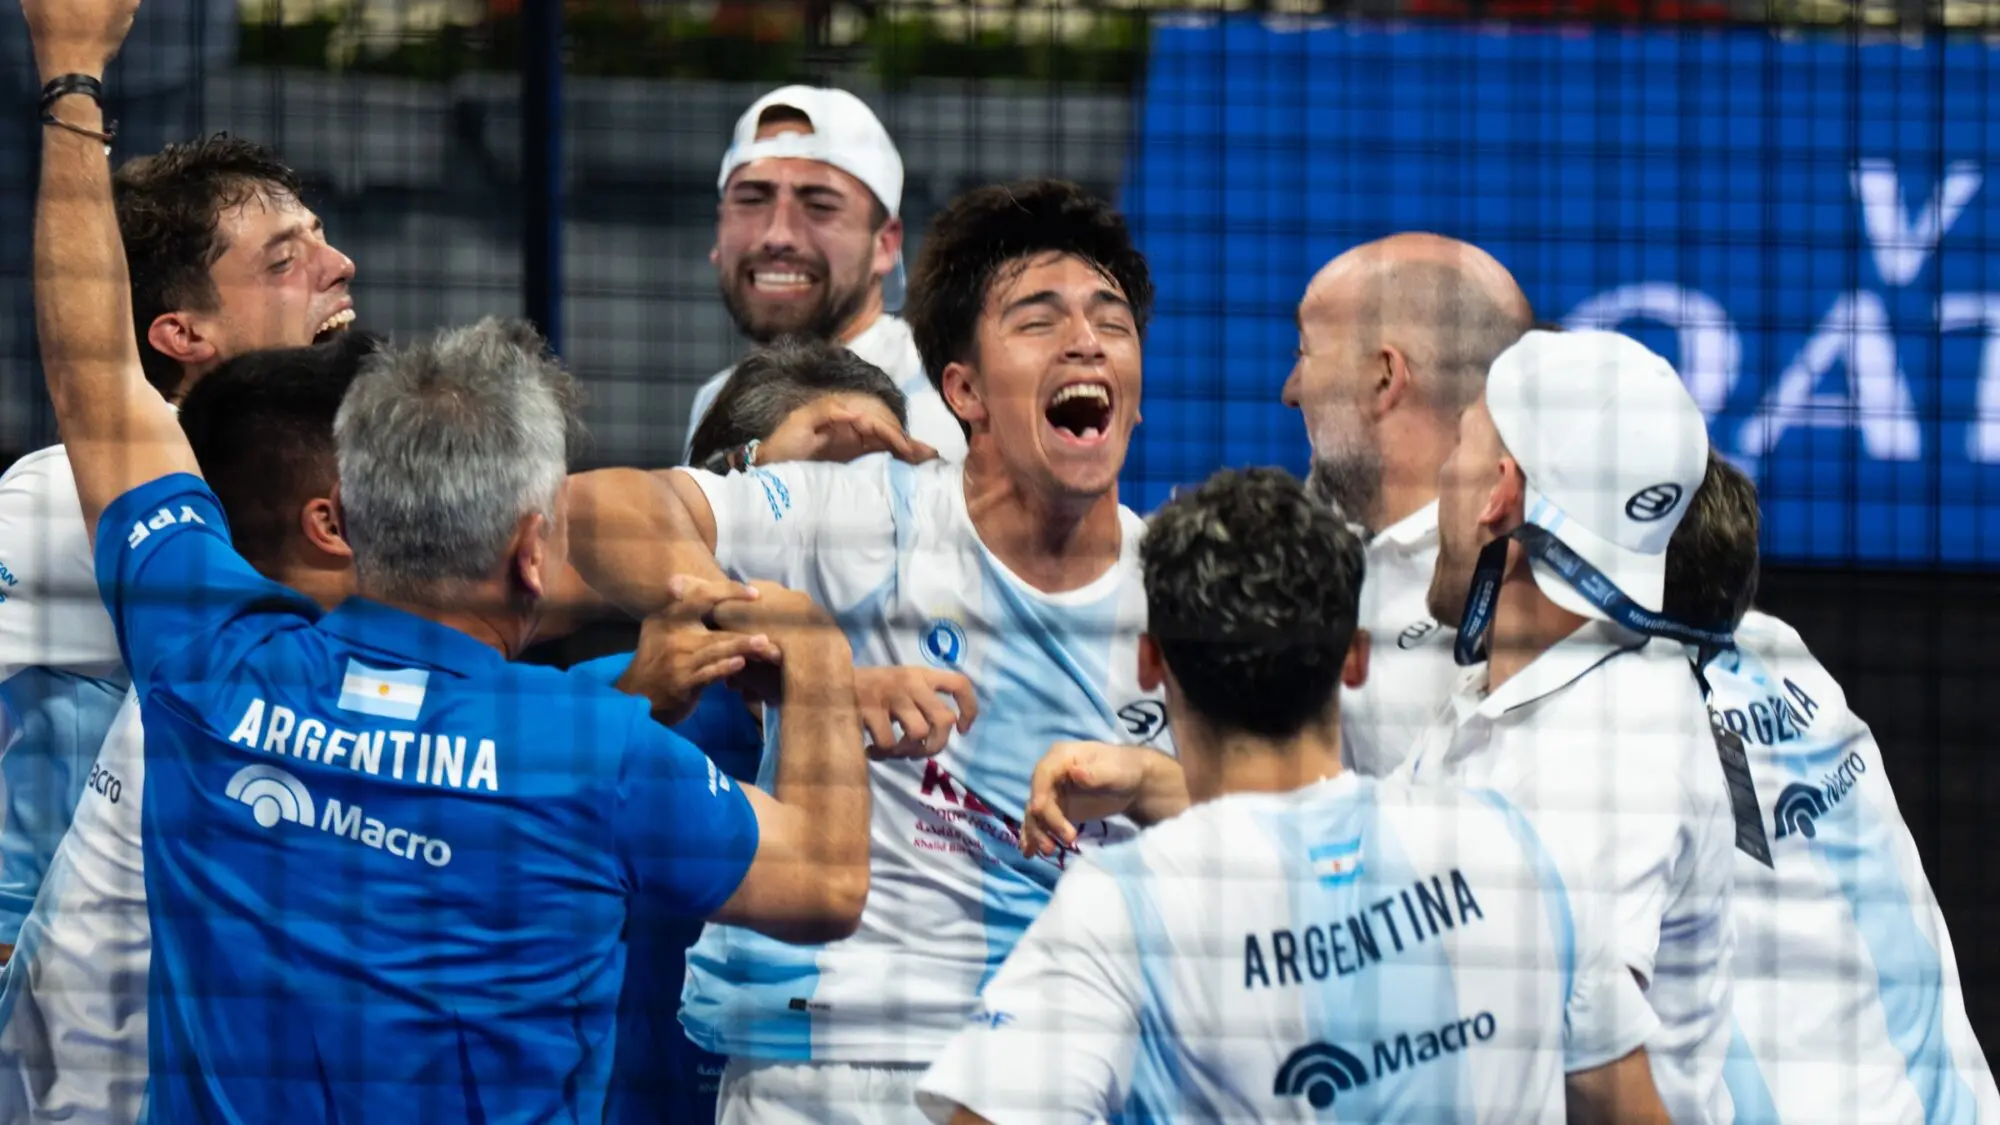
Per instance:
(807,1093)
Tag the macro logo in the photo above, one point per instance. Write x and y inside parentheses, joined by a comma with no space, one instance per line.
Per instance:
(272,794)
(1320,1072)
(944,643)
(1414,635)
(1800,806)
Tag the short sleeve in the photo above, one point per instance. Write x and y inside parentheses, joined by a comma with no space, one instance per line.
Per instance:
(827,529)
(1607,1016)
(1056,1033)
(168,574)
(49,610)
(685,832)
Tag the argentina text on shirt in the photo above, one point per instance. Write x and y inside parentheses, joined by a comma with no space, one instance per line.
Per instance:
(406,755)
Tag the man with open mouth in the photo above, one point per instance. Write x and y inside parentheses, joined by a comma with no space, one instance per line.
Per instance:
(808,229)
(225,260)
(1017,568)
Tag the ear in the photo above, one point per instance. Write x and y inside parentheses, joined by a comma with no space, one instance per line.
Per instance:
(177,336)
(1152,664)
(1392,381)
(888,244)
(961,393)
(1354,670)
(319,520)
(530,559)
(1504,508)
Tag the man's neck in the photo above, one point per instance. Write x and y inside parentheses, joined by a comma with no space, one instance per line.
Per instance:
(1410,480)
(1052,544)
(1525,625)
(871,311)
(1250,764)
(488,624)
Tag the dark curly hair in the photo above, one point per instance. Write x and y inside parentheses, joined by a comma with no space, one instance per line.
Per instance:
(988,230)
(169,205)
(1253,591)
(1712,558)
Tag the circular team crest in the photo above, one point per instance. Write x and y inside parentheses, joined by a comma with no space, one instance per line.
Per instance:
(944,643)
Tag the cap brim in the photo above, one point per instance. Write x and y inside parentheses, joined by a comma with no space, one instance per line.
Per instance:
(1640,577)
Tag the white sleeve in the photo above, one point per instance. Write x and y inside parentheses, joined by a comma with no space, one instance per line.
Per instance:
(50,612)
(1057,1030)
(827,529)
(1607,1016)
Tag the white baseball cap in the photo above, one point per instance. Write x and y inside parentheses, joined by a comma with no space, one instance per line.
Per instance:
(845,134)
(1612,447)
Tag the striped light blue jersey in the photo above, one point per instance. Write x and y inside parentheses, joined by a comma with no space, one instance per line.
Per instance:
(61,678)
(1848,1006)
(889,550)
(1357,950)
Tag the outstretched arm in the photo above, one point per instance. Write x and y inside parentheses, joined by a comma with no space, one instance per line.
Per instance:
(119,432)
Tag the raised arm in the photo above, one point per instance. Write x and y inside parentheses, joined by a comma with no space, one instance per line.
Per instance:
(118,430)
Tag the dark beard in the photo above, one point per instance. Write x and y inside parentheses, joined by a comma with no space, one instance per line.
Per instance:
(823,322)
(1351,487)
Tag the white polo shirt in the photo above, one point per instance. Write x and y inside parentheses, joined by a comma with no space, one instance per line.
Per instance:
(1603,741)
(887,344)
(1410,668)
(1848,999)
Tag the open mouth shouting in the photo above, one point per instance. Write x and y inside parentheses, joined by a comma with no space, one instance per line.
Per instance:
(1080,413)
(331,326)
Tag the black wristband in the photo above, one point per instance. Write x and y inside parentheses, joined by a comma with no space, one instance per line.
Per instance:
(89,87)
(68,84)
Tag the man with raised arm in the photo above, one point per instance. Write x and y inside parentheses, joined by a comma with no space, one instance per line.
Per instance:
(388,871)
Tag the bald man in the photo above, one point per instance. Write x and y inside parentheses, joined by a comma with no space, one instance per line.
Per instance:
(1395,338)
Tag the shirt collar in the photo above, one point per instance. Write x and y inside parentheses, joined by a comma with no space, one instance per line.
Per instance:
(1416,530)
(1566,662)
(878,341)
(408,638)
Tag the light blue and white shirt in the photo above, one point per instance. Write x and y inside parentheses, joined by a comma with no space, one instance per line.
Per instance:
(890,551)
(1848,1005)
(73,1007)
(62,679)
(1357,949)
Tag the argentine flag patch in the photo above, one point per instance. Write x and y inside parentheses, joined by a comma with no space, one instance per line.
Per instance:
(1337,863)
(388,693)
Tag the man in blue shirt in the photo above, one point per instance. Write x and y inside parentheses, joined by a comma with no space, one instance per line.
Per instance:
(387,870)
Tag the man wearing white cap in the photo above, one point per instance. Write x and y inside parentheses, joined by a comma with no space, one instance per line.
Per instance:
(808,227)
(1554,512)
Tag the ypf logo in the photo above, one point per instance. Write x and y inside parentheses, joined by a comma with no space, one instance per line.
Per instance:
(1799,808)
(944,643)
(1653,502)
(1320,1072)
(272,794)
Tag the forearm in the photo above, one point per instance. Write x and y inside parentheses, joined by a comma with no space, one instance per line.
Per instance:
(118,430)
(631,533)
(822,771)
(1163,795)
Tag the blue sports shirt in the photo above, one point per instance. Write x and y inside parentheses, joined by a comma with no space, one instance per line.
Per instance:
(387,871)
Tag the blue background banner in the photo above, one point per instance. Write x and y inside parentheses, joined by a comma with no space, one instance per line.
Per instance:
(1804,224)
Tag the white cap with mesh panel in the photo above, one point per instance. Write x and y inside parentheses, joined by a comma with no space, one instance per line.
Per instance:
(1612,447)
(846,135)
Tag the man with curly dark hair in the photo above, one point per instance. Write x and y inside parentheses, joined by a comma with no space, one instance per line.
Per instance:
(1303,938)
(1017,568)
